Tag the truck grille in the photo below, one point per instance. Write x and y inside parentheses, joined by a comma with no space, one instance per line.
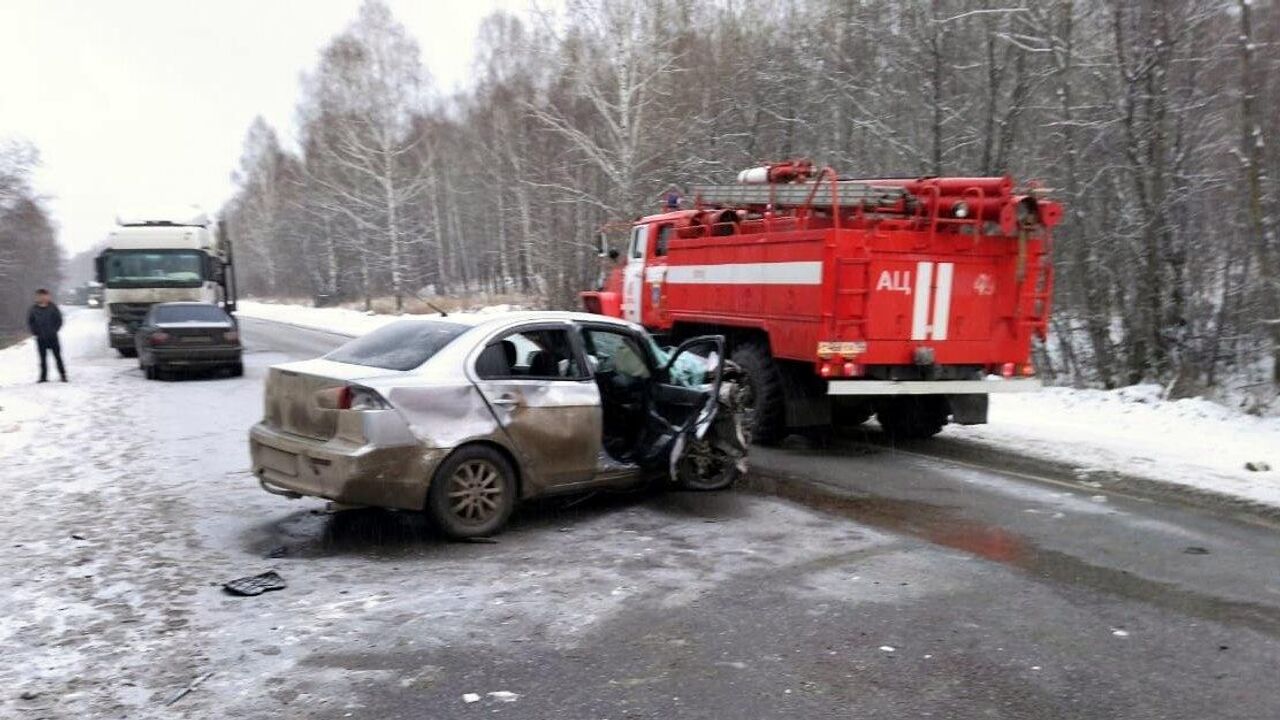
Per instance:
(131,312)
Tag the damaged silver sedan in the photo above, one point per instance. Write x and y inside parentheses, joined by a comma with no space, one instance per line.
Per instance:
(463,416)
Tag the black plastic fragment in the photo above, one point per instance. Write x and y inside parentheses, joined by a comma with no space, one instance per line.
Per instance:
(255,584)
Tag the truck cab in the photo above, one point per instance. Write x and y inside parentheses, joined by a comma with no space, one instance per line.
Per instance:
(149,260)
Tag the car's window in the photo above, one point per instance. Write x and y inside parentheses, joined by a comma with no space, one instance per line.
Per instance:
(531,354)
(189,313)
(615,351)
(402,345)
(639,235)
(664,239)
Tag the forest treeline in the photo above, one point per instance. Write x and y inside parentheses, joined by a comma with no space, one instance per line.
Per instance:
(1152,120)
(30,257)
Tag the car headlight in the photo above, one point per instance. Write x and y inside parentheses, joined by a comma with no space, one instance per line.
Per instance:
(960,209)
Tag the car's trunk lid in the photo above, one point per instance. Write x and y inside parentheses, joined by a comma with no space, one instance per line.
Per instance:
(290,398)
(196,334)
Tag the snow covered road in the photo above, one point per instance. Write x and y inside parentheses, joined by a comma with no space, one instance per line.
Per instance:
(929,589)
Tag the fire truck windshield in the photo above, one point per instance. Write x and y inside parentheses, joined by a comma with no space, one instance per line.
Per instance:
(154,268)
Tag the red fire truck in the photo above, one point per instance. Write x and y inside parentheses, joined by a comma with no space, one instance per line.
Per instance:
(912,299)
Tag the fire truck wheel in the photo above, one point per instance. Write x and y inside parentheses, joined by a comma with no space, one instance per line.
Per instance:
(764,416)
(913,416)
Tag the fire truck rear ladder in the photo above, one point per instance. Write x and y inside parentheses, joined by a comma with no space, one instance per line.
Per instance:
(850,194)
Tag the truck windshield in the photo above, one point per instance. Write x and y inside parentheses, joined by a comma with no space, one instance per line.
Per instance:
(154,268)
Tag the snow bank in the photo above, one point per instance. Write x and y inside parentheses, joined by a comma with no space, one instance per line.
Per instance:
(1131,430)
(342,321)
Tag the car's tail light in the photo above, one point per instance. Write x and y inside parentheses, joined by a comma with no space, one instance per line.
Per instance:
(1028,370)
(350,397)
(1006,370)
(159,338)
(231,336)
(362,398)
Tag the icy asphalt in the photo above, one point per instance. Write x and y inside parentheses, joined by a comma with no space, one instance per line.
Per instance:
(880,584)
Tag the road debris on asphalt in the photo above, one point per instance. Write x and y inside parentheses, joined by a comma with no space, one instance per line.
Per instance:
(190,687)
(470,698)
(255,584)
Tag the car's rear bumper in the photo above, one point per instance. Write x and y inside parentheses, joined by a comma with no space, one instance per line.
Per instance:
(342,471)
(197,356)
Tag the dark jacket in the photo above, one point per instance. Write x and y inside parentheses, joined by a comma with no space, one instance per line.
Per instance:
(44,322)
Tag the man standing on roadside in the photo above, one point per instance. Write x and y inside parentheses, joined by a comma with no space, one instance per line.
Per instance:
(44,320)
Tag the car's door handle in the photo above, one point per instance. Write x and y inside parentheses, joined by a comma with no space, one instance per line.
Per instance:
(506,400)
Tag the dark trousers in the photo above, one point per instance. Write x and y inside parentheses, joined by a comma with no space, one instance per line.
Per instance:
(45,345)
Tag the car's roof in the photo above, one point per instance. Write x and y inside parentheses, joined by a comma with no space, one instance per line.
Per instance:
(512,316)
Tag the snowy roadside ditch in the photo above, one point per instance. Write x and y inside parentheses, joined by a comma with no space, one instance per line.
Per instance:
(1190,444)
(337,320)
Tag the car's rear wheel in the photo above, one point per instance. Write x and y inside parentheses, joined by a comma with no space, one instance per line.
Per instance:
(473,493)
(127,352)
(149,371)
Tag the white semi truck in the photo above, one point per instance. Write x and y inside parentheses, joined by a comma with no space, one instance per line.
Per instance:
(162,257)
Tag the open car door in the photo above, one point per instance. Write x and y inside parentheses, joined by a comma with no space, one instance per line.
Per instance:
(688,430)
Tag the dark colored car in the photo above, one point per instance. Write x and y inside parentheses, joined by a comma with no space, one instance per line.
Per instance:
(188,336)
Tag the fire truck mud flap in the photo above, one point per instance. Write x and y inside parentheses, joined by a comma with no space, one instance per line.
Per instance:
(968,409)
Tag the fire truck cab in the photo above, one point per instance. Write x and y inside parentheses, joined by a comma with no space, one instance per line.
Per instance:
(910,299)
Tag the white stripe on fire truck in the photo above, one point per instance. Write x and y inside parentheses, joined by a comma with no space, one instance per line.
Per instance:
(775,273)
(942,301)
(920,307)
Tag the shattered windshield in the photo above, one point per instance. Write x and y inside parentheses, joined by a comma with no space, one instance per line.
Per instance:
(154,268)
(690,369)
(693,370)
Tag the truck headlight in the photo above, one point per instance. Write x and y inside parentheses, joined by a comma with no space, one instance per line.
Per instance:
(960,209)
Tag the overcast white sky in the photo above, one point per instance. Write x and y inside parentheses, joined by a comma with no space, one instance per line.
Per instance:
(141,103)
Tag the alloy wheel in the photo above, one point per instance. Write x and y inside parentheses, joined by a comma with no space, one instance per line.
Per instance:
(475,492)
